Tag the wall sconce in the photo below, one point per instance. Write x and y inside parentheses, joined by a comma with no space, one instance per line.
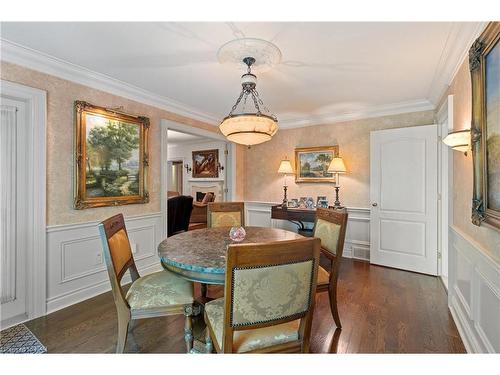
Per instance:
(188,168)
(458,140)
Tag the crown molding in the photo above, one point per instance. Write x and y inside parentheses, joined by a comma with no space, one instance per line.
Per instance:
(455,51)
(362,113)
(32,59)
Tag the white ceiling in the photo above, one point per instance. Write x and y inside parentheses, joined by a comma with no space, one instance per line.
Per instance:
(328,71)
(175,137)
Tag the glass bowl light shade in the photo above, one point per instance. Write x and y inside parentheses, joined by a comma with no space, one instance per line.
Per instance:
(248,129)
(458,140)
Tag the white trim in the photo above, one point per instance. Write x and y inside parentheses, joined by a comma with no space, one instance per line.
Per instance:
(94,223)
(36,102)
(36,60)
(455,51)
(468,315)
(362,113)
(445,183)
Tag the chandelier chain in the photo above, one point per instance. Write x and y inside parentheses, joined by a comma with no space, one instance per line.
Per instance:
(237,102)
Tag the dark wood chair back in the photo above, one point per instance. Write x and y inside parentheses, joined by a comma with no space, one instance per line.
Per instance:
(117,255)
(330,227)
(178,214)
(226,214)
(284,265)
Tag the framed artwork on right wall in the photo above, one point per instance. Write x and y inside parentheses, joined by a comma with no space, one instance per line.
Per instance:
(484,62)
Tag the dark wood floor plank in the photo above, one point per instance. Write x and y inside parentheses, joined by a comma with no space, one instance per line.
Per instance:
(382,310)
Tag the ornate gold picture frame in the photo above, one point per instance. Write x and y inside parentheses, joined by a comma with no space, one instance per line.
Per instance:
(484,62)
(311,163)
(111,157)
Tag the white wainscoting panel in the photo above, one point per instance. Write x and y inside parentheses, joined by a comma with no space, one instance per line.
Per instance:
(75,263)
(357,242)
(474,294)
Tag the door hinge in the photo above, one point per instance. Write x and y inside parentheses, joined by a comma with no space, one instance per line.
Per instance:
(439,255)
(226,190)
(226,152)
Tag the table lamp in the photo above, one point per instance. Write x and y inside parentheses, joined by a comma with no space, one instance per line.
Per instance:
(285,169)
(337,166)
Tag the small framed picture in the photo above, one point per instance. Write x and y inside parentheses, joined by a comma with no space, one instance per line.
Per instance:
(323,203)
(293,203)
(320,198)
(310,202)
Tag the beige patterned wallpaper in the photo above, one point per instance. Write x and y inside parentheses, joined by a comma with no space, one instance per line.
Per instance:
(487,238)
(61,95)
(262,183)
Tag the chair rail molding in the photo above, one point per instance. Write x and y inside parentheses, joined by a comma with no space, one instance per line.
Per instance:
(474,294)
(75,264)
(357,242)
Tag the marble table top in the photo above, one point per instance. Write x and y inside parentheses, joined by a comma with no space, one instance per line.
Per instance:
(204,250)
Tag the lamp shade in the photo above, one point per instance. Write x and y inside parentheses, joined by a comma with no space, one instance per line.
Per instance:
(248,129)
(337,166)
(285,167)
(458,140)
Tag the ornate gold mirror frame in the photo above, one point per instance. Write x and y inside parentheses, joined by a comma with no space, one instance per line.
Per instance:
(481,211)
(82,159)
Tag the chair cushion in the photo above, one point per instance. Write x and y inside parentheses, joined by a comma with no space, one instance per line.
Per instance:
(159,289)
(328,233)
(323,276)
(251,339)
(226,219)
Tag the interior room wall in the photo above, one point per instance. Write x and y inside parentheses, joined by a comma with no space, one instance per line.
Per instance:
(61,95)
(486,237)
(262,182)
(183,151)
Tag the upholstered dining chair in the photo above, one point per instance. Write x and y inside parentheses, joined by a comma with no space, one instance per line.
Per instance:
(157,294)
(268,298)
(225,214)
(330,227)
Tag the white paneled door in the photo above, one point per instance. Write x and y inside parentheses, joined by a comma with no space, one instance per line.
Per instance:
(404,198)
(13,182)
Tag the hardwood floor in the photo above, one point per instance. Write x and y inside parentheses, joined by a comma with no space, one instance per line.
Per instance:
(382,310)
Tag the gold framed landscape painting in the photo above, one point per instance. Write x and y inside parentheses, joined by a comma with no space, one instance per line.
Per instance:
(111,157)
(484,61)
(311,163)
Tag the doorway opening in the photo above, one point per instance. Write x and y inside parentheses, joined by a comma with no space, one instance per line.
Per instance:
(196,162)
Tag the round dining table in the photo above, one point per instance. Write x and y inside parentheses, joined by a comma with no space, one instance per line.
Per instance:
(200,255)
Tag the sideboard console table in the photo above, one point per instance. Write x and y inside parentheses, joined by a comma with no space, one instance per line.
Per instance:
(298,216)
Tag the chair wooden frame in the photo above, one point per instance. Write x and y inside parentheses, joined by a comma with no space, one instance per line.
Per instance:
(107,229)
(261,255)
(225,207)
(339,217)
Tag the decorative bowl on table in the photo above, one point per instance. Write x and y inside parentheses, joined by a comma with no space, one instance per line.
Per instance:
(237,234)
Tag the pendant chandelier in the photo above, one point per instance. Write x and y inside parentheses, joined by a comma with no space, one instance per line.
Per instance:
(249,126)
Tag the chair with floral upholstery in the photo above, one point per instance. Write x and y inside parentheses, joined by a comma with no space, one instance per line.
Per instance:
(157,294)
(226,214)
(330,227)
(269,298)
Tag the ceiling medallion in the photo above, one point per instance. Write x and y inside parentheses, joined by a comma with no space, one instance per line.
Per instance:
(249,126)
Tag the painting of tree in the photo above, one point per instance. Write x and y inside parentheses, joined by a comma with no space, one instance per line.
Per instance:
(112,157)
